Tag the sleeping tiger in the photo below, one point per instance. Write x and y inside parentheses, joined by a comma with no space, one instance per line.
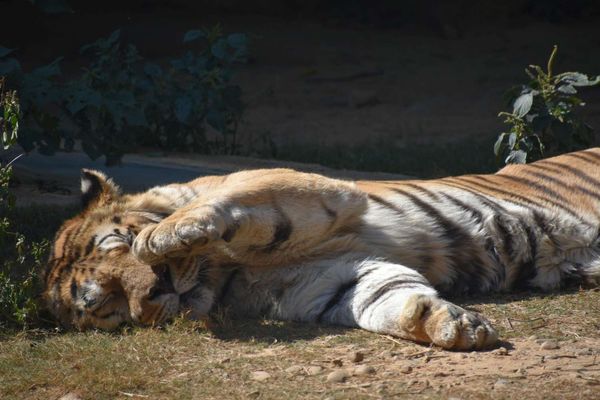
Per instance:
(379,255)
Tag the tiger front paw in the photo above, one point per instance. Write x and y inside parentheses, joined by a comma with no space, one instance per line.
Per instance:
(447,325)
(178,236)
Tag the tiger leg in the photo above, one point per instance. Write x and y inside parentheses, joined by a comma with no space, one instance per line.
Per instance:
(284,216)
(385,298)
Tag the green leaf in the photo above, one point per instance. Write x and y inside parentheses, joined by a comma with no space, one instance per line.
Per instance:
(237,40)
(577,79)
(219,49)
(567,89)
(5,51)
(516,157)
(153,70)
(183,108)
(512,140)
(193,35)
(523,104)
(53,6)
(113,37)
(499,142)
(9,66)
(48,71)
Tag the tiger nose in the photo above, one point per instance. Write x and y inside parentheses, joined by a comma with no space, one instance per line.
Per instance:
(164,283)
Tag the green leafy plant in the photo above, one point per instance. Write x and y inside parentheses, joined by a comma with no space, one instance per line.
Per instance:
(121,102)
(543,121)
(19,260)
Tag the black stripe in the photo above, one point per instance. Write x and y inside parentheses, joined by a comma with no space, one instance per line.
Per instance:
(464,207)
(467,263)
(283,231)
(385,203)
(492,205)
(90,246)
(108,315)
(511,195)
(542,188)
(73,289)
(505,235)
(342,290)
(386,288)
(424,191)
(230,231)
(577,172)
(584,156)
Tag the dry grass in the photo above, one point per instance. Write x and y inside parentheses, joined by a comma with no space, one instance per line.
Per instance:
(186,361)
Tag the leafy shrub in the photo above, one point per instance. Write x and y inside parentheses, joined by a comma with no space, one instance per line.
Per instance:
(120,101)
(19,260)
(543,121)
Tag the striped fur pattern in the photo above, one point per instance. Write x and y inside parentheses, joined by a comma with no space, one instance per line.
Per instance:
(372,254)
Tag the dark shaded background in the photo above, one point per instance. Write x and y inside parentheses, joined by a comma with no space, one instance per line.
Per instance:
(377,85)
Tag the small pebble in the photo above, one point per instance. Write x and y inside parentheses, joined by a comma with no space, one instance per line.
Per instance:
(314,370)
(502,351)
(260,376)
(549,345)
(501,384)
(364,370)
(357,357)
(337,376)
(532,338)
(70,396)
(294,369)
(406,369)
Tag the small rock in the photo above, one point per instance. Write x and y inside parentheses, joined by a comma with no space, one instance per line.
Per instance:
(70,396)
(406,369)
(254,394)
(357,357)
(314,370)
(294,369)
(364,370)
(532,338)
(502,351)
(337,362)
(337,376)
(225,360)
(549,345)
(260,376)
(380,388)
(501,384)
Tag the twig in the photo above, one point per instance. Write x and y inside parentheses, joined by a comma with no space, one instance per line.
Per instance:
(510,324)
(133,394)
(393,340)
(589,379)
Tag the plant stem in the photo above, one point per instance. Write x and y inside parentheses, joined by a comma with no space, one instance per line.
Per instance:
(551,60)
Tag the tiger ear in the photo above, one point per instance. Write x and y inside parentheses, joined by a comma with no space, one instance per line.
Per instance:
(97,189)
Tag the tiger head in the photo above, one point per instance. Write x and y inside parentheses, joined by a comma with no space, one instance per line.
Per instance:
(92,278)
